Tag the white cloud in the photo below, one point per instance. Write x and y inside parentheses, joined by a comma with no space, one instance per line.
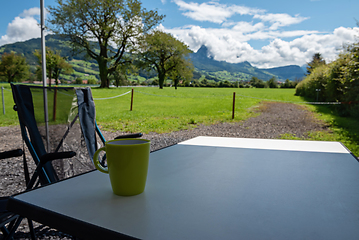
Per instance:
(35,11)
(231,40)
(213,11)
(23,27)
(231,45)
(280,19)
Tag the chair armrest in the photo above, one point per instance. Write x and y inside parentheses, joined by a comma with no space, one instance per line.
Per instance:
(53,156)
(11,153)
(134,135)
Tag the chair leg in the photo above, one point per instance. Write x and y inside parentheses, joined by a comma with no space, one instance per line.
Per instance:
(5,231)
(32,231)
(13,229)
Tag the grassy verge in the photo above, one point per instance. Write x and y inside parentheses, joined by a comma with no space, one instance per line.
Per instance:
(341,129)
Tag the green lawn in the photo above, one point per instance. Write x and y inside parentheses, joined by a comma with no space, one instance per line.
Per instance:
(167,110)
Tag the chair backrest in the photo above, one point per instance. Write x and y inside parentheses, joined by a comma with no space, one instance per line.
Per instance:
(24,106)
(70,126)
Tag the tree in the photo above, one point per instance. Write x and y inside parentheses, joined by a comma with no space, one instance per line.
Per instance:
(316,61)
(14,67)
(119,78)
(257,83)
(272,83)
(54,65)
(78,81)
(120,23)
(288,84)
(60,65)
(166,55)
(183,71)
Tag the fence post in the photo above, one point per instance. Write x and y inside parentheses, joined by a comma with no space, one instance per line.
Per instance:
(131,99)
(3,100)
(234,103)
(55,105)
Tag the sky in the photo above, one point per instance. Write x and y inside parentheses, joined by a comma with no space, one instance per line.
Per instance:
(265,33)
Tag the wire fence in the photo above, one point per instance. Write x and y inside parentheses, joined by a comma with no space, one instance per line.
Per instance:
(242,96)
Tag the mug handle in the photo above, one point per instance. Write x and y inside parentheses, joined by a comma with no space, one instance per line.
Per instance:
(97,162)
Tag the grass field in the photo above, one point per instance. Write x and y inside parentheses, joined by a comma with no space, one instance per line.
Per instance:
(167,110)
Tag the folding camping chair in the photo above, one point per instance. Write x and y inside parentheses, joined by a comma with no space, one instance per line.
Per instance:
(68,127)
(8,219)
(68,131)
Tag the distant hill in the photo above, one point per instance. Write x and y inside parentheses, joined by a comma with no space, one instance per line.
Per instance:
(204,64)
(84,69)
(290,72)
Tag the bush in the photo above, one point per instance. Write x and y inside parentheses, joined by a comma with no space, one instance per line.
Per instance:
(338,81)
(78,81)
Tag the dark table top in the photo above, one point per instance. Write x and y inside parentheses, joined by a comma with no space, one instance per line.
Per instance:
(214,188)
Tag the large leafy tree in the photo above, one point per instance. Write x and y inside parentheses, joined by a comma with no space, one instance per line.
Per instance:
(14,67)
(55,64)
(117,23)
(166,55)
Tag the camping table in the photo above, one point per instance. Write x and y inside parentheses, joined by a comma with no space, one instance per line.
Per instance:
(214,188)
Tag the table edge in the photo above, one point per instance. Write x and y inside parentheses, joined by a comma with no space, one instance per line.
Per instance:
(83,230)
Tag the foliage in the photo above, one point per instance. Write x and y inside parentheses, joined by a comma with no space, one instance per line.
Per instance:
(91,81)
(257,83)
(55,64)
(272,83)
(14,67)
(165,54)
(338,81)
(119,79)
(317,61)
(119,22)
(289,84)
(78,81)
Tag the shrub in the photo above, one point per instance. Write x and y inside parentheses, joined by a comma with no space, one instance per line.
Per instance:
(338,81)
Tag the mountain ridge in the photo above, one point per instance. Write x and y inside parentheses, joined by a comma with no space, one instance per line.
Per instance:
(202,60)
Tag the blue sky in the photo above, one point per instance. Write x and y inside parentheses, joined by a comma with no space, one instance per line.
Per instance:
(265,33)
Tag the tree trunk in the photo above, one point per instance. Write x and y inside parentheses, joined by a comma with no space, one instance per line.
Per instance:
(102,64)
(161,79)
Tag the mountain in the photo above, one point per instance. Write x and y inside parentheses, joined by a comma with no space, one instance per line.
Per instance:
(205,63)
(202,60)
(290,72)
(84,69)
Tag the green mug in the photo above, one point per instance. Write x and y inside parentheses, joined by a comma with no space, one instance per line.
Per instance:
(127,164)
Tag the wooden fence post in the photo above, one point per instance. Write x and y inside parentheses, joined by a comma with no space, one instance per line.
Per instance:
(131,99)
(234,103)
(3,100)
(55,105)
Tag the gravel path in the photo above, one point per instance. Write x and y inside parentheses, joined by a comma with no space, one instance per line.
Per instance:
(274,119)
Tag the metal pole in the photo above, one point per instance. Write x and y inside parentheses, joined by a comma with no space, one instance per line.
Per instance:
(44,78)
(3,100)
